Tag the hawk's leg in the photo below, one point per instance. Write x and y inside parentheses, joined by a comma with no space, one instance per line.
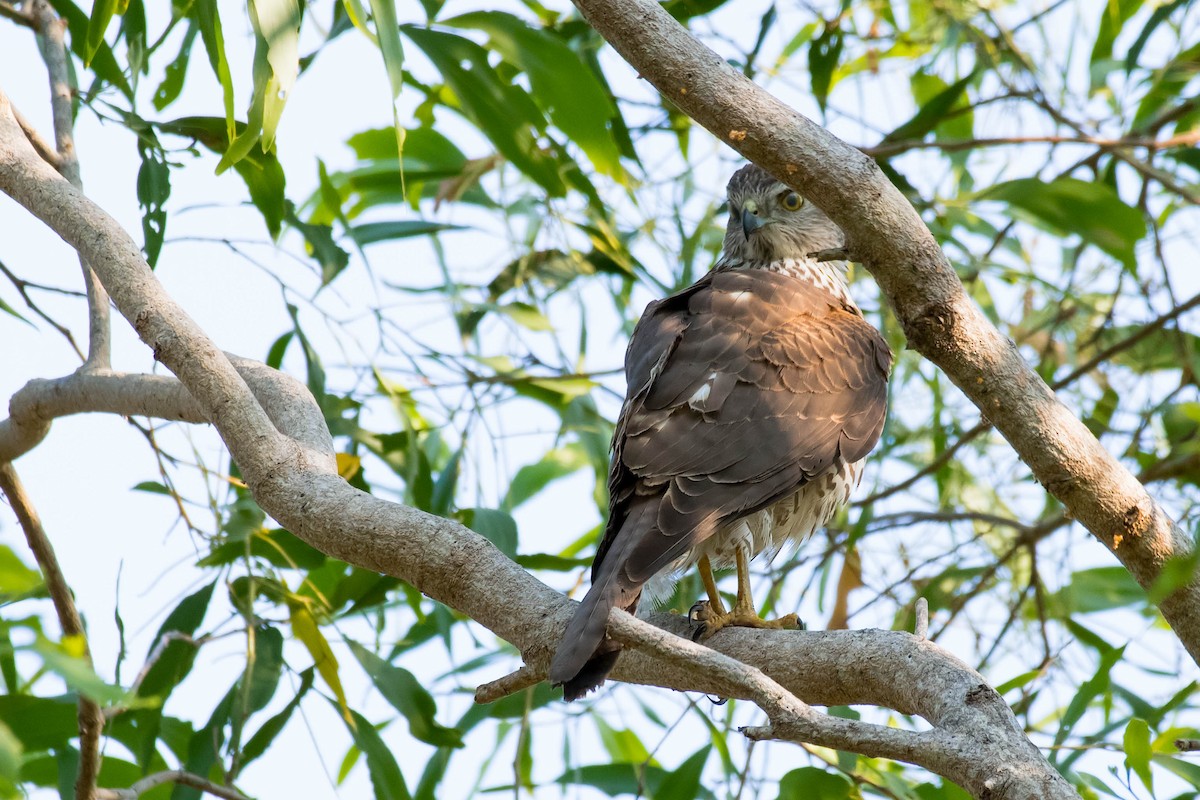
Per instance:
(710,585)
(712,615)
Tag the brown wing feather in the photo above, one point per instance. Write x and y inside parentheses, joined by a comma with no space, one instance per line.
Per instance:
(797,381)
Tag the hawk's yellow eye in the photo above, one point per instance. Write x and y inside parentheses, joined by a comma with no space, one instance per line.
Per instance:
(791,201)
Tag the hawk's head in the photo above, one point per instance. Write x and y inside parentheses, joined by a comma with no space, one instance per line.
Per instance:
(769,222)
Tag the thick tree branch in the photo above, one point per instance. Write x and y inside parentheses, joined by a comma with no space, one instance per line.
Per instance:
(39,402)
(54,53)
(91,718)
(886,234)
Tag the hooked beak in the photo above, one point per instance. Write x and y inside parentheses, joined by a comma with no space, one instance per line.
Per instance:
(750,219)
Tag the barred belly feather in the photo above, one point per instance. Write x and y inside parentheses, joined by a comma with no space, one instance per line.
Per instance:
(768,532)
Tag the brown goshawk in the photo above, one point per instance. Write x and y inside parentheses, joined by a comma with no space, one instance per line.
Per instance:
(753,397)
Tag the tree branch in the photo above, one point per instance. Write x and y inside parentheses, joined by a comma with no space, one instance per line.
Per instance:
(39,402)
(91,718)
(54,53)
(889,149)
(176,776)
(17,15)
(886,234)
(44,148)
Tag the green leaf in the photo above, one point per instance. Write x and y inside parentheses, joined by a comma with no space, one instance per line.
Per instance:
(208,18)
(173,76)
(304,628)
(102,14)
(1097,589)
(444,489)
(551,563)
(319,243)
(623,745)
(372,232)
(1113,16)
(1100,419)
(153,191)
(386,778)
(1160,15)
(8,661)
(204,747)
(7,309)
(388,33)
(639,780)
(102,62)
(932,108)
(685,783)
(812,783)
(1167,87)
(562,83)
(16,579)
(1184,769)
(1019,681)
(503,111)
(1067,205)
(1093,687)
(263,669)
(526,316)
(261,172)
(533,478)
(314,370)
(278,23)
(1176,573)
(496,526)
(406,694)
(276,546)
(40,723)
(175,660)
(951,115)
(264,736)
(10,754)
(1138,751)
(823,55)
(425,150)
(66,660)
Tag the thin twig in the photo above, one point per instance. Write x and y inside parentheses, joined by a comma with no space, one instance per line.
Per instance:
(17,15)
(176,776)
(22,286)
(921,628)
(508,685)
(888,149)
(44,148)
(91,719)
(54,53)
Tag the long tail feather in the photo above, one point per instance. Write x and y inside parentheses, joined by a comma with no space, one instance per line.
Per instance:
(585,656)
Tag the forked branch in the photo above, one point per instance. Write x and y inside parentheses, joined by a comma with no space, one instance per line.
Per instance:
(52,30)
